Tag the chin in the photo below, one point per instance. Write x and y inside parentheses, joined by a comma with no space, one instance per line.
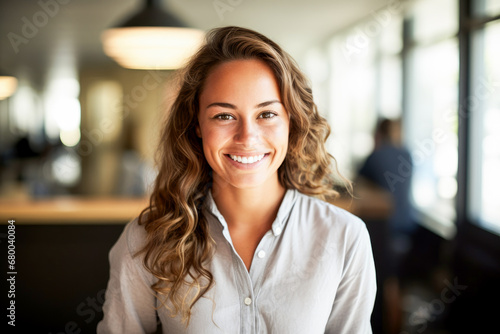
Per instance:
(246,182)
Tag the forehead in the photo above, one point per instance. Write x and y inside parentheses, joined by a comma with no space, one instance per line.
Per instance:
(239,77)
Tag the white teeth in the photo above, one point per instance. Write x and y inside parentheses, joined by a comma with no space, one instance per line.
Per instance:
(247,160)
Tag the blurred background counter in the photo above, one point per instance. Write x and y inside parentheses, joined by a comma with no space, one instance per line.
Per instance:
(368,203)
(69,210)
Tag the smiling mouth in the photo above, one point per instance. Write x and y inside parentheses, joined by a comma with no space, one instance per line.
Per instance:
(247,160)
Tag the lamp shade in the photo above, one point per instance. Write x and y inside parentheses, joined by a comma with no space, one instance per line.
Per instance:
(151,39)
(8,85)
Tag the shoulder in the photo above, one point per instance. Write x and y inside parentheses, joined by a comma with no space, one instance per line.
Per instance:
(328,219)
(316,208)
(125,252)
(332,232)
(136,235)
(125,256)
(132,238)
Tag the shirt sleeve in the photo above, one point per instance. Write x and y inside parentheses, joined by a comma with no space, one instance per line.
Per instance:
(129,305)
(355,297)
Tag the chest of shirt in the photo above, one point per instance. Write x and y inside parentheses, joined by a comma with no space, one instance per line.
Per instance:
(290,287)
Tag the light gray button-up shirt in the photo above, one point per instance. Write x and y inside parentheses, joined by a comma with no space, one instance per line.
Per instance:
(313,272)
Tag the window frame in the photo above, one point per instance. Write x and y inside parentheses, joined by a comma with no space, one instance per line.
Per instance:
(470,234)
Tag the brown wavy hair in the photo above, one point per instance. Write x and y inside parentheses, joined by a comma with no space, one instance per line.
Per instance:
(179,247)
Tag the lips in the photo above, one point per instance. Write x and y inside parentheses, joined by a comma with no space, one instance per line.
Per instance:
(246,159)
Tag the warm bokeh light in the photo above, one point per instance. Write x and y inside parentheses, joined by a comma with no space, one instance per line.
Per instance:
(8,86)
(67,113)
(70,137)
(63,111)
(66,169)
(151,47)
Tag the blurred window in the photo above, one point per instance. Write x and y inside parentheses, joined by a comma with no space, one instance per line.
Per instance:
(365,82)
(387,67)
(434,19)
(431,127)
(484,108)
(486,8)
(431,110)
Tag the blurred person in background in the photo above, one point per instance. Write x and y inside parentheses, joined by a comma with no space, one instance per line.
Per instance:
(390,167)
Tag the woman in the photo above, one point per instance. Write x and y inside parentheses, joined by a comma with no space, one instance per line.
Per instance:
(233,240)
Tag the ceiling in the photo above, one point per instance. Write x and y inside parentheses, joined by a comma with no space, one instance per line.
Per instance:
(67,32)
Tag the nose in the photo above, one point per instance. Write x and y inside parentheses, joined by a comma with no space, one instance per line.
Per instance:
(247,133)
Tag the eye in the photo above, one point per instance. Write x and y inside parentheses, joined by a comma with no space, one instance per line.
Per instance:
(224,117)
(268,114)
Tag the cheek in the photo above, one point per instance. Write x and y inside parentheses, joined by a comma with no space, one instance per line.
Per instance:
(208,152)
(280,135)
(284,142)
(212,141)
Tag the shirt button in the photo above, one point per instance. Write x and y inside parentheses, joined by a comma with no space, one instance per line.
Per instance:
(277,230)
(261,254)
(248,301)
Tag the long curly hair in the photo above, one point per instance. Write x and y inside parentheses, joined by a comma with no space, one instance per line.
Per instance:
(179,246)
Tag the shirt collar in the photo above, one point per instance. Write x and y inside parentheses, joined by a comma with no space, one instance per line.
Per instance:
(278,224)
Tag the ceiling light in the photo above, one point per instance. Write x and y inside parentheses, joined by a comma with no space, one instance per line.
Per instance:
(151,39)
(8,85)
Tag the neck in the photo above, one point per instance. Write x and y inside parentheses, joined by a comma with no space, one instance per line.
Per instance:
(250,208)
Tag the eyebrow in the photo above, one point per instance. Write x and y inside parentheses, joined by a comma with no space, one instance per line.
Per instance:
(232,106)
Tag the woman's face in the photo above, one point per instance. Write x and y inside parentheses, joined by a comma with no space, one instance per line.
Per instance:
(243,124)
